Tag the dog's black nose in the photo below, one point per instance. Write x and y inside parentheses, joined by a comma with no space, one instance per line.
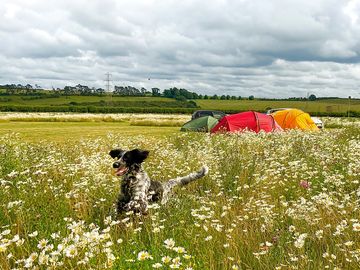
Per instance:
(116,165)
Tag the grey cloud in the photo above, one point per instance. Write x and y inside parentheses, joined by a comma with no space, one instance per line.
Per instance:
(274,48)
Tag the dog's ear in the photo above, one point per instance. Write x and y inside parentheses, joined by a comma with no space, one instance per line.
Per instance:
(135,156)
(115,153)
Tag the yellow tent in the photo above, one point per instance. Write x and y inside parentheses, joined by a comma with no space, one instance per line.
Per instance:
(294,119)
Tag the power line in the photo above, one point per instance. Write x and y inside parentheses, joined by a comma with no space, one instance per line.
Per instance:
(108,80)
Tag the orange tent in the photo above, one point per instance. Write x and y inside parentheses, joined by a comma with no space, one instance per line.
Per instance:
(294,119)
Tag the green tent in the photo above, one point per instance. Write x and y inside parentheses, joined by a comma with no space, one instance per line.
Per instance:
(202,124)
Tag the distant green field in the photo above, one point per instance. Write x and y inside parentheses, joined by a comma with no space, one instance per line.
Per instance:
(62,100)
(329,105)
(319,106)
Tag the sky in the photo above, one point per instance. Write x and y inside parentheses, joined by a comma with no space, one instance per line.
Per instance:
(271,49)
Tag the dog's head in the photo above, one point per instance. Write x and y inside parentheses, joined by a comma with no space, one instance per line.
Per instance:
(125,159)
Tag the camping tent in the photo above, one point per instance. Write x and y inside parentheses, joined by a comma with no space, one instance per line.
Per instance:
(204,124)
(294,119)
(246,121)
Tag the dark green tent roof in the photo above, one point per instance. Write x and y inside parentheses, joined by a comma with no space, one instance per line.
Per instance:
(202,124)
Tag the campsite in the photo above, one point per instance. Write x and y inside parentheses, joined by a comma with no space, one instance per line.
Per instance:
(280,200)
(283,119)
(189,135)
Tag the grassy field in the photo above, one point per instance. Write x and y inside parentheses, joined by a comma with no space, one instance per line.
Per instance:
(331,105)
(64,131)
(63,126)
(271,201)
(25,100)
(327,105)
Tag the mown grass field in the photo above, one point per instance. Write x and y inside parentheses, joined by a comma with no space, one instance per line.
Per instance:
(271,201)
(64,131)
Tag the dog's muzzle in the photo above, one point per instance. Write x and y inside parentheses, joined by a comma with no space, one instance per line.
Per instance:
(121,168)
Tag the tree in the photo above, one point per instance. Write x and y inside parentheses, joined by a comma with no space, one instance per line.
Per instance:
(312,97)
(251,97)
(100,91)
(223,97)
(68,90)
(175,93)
(84,90)
(155,92)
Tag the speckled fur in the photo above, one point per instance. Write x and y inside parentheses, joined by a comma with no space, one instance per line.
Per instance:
(137,189)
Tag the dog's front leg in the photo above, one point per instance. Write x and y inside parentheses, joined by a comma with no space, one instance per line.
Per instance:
(137,206)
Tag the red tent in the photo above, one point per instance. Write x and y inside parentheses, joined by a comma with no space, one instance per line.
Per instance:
(246,120)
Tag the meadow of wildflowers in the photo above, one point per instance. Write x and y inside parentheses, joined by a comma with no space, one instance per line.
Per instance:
(287,200)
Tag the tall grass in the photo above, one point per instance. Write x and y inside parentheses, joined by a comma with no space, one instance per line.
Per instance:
(271,201)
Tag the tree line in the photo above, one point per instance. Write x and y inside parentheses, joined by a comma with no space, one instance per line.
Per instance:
(174,92)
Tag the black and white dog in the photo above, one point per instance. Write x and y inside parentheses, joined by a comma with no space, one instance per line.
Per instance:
(137,190)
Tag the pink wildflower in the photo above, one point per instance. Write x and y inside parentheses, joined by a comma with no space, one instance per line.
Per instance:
(304,184)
